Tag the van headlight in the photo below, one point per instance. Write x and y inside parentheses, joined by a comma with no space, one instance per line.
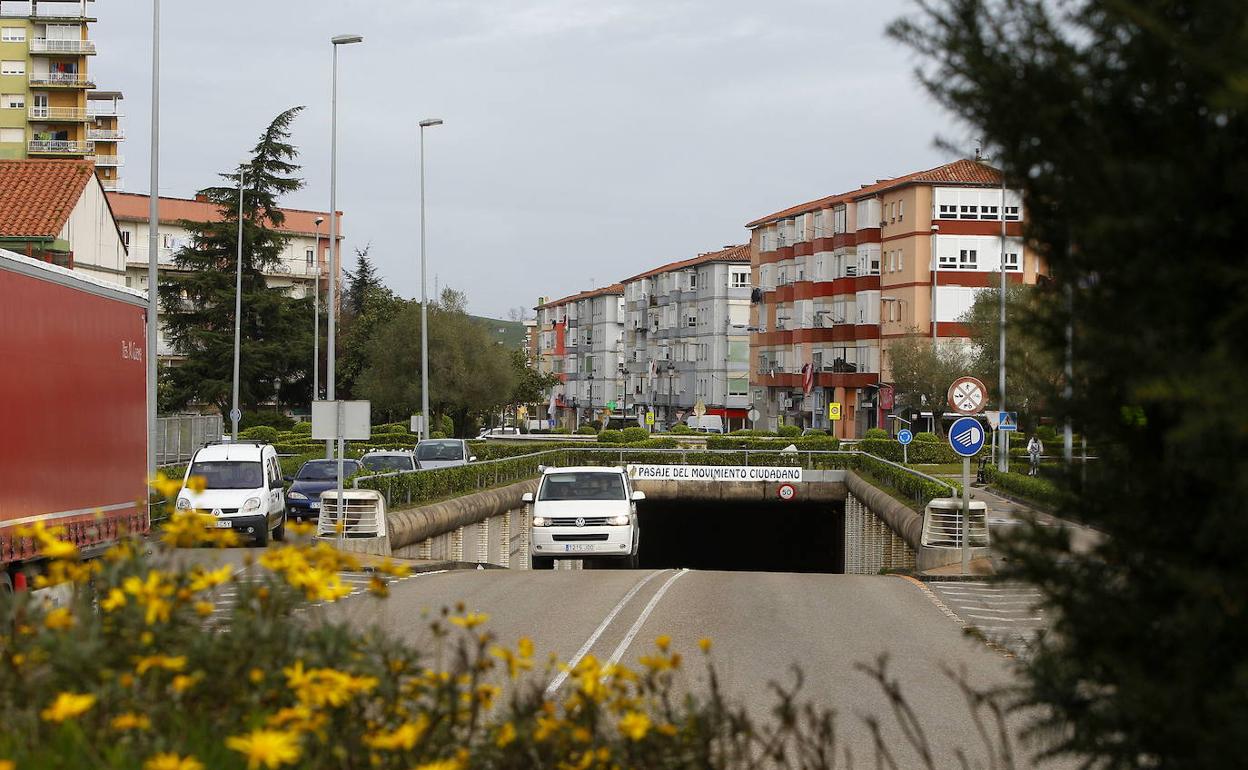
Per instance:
(541,521)
(183,504)
(252,504)
(296,496)
(618,521)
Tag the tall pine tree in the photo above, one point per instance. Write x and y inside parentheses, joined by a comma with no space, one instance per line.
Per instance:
(197,299)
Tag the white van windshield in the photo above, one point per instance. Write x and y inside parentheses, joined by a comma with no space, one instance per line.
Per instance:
(582,486)
(229,474)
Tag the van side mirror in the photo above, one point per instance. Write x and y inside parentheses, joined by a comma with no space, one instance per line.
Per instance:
(288,479)
(527,497)
(638,495)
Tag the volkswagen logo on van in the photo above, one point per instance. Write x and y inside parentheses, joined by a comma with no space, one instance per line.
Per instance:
(580,521)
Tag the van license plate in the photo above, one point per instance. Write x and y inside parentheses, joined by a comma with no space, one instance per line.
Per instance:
(574,547)
(224,524)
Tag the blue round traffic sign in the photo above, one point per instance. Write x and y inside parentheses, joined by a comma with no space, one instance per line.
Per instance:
(904,436)
(966,436)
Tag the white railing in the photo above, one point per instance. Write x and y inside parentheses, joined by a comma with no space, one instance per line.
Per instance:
(363,514)
(111,185)
(105,134)
(109,160)
(943,526)
(105,111)
(58,113)
(78,79)
(43,45)
(61,146)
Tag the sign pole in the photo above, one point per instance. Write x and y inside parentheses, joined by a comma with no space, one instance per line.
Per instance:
(966,515)
(905,454)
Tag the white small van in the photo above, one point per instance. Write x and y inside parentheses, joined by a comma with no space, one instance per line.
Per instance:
(242,489)
(584,513)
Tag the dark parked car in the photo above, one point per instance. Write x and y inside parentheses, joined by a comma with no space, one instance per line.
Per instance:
(388,462)
(303,499)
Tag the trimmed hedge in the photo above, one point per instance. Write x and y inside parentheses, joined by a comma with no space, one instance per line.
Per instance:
(811,443)
(635,434)
(611,436)
(588,430)
(680,429)
(259,433)
(302,427)
(916,488)
(751,432)
(1036,489)
(876,433)
(919,452)
(789,431)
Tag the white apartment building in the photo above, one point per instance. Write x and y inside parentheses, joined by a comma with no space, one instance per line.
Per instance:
(305,258)
(686,338)
(580,338)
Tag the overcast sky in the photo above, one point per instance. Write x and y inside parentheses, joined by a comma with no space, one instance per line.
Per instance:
(585,140)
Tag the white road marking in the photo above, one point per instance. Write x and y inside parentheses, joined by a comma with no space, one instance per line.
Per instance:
(1003,620)
(641,620)
(602,627)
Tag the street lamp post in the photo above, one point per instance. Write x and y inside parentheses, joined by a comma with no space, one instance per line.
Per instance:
(238,305)
(1003,464)
(331,395)
(424,297)
(316,314)
(153,233)
(671,372)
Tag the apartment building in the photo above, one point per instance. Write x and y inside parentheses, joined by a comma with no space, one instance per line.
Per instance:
(304,264)
(580,338)
(686,339)
(48,105)
(841,278)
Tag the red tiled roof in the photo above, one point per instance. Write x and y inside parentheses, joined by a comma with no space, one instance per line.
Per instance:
(730,254)
(967,172)
(37,196)
(615,288)
(133,207)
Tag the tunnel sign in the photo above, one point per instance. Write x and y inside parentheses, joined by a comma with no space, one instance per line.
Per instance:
(714,473)
(966,436)
(787,492)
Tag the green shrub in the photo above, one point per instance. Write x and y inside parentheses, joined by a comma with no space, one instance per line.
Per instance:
(1047,434)
(927,438)
(610,436)
(272,419)
(1035,489)
(302,427)
(437,434)
(811,443)
(751,432)
(789,431)
(561,431)
(588,429)
(876,433)
(259,433)
(917,489)
(680,429)
(918,452)
(635,434)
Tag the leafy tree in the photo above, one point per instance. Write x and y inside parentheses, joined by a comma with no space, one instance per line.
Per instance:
(368,304)
(922,371)
(468,373)
(1033,372)
(1126,126)
(531,386)
(197,300)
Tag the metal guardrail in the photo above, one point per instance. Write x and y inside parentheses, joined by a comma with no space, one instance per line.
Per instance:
(807,456)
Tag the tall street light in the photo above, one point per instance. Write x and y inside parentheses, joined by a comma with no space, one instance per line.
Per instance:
(330,395)
(1003,464)
(424,298)
(316,314)
(153,228)
(235,414)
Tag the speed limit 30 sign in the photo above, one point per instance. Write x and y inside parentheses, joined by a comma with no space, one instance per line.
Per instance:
(967,395)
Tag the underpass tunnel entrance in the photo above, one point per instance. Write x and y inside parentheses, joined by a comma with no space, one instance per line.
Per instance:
(754,536)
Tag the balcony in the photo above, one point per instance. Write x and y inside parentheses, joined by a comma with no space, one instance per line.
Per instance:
(111,185)
(59,114)
(59,147)
(105,134)
(43,45)
(61,79)
(109,160)
(100,110)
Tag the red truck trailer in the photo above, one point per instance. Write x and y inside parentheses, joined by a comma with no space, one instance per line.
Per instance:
(73,408)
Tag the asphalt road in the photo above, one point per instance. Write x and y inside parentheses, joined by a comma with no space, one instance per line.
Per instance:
(761,624)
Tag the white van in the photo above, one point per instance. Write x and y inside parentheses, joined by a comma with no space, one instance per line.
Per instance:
(243,489)
(584,513)
(707,423)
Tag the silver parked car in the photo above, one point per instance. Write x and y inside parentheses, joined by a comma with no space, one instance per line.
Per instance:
(443,453)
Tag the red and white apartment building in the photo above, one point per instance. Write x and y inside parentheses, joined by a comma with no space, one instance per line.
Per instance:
(840,278)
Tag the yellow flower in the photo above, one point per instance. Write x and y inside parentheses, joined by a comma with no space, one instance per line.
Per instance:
(59,619)
(271,748)
(131,721)
(167,487)
(704,644)
(471,620)
(635,725)
(404,737)
(59,549)
(546,726)
(182,682)
(115,600)
(151,593)
(300,528)
(202,580)
(167,662)
(7,764)
(204,609)
(668,730)
(68,705)
(442,764)
(197,483)
(172,762)
(663,642)
(256,676)
(506,734)
(378,587)
(486,694)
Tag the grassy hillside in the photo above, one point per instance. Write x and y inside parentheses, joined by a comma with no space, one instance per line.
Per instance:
(509,334)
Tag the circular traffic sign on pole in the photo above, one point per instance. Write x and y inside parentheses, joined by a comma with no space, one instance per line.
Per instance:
(967,395)
(787,491)
(904,436)
(966,436)
(753,414)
